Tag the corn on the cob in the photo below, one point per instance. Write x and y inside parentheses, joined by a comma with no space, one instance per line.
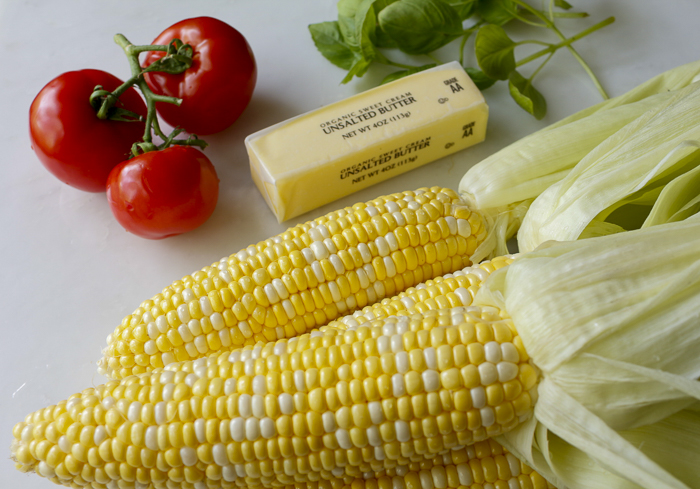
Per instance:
(326,405)
(451,290)
(299,280)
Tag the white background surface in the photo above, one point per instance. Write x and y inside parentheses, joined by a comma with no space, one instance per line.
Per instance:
(69,273)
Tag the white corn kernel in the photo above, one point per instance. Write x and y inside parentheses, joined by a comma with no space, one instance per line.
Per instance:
(488,417)
(205,306)
(134,412)
(257,404)
(431,380)
(488,373)
(509,352)
(382,246)
(329,424)
(245,408)
(478,395)
(390,267)
(343,438)
(319,249)
(188,456)
(426,479)
(465,475)
(152,438)
(492,350)
(237,427)
(402,362)
(430,357)
(252,429)
(403,432)
(513,464)
(271,293)
(398,386)
(286,403)
(464,229)
(330,245)
(507,371)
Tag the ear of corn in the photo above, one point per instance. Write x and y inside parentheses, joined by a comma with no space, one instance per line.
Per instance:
(299,280)
(327,405)
(451,290)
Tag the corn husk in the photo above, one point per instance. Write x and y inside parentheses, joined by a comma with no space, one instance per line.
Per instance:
(677,201)
(621,177)
(527,167)
(613,323)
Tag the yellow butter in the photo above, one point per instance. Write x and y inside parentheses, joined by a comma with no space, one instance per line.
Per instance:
(315,158)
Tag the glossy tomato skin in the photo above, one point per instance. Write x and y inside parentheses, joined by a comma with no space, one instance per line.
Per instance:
(70,140)
(217,87)
(163,193)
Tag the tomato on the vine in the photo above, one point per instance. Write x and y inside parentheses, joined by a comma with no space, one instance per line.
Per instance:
(68,137)
(217,87)
(163,193)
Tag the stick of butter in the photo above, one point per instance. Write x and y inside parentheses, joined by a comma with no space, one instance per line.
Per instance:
(315,158)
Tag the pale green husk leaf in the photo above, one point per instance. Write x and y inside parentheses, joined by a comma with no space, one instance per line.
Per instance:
(621,176)
(678,200)
(527,167)
(613,323)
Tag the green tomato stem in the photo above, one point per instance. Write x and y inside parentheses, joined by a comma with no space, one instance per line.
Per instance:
(189,142)
(137,79)
(142,49)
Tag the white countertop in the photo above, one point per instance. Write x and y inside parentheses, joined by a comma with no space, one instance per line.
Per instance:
(69,271)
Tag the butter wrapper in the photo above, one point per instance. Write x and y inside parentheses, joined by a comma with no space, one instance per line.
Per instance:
(318,157)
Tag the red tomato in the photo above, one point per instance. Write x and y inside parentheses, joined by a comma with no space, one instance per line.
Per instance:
(163,193)
(70,140)
(217,87)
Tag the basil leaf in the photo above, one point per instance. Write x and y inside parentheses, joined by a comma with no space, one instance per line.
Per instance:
(358,69)
(357,22)
(497,12)
(329,41)
(400,74)
(420,26)
(526,96)
(365,25)
(346,21)
(464,8)
(382,39)
(379,5)
(479,78)
(494,52)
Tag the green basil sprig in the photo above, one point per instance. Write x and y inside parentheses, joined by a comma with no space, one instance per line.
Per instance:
(367,30)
